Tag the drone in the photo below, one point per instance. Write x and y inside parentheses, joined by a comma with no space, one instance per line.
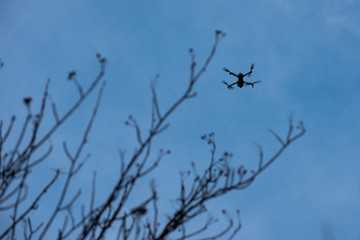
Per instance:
(240,82)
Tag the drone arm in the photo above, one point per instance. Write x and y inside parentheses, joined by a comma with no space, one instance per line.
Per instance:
(252,83)
(231,73)
(250,72)
(229,86)
(228,71)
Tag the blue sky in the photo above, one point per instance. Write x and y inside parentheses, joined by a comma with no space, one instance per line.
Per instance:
(306,55)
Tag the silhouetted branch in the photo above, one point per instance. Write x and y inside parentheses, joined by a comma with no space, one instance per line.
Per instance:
(7,132)
(289,139)
(134,124)
(67,153)
(20,139)
(27,224)
(277,137)
(208,222)
(225,231)
(32,206)
(155,100)
(72,77)
(237,229)
(20,198)
(126,182)
(93,192)
(139,220)
(12,162)
(53,107)
(42,158)
(261,155)
(217,180)
(72,167)
(75,106)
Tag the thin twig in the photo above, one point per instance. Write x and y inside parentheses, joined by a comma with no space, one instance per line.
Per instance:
(33,206)
(72,165)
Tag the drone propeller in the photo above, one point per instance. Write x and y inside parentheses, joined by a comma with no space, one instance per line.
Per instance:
(226,70)
(251,68)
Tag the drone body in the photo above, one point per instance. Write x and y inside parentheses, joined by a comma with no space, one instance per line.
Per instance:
(240,82)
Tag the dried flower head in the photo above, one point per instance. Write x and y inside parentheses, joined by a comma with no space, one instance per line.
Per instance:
(71,75)
(139,211)
(27,101)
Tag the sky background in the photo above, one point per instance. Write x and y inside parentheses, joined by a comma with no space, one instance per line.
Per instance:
(306,55)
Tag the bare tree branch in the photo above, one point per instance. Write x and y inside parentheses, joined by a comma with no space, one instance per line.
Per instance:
(59,205)
(124,185)
(138,220)
(33,206)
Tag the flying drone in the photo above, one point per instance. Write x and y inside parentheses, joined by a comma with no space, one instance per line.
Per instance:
(240,82)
